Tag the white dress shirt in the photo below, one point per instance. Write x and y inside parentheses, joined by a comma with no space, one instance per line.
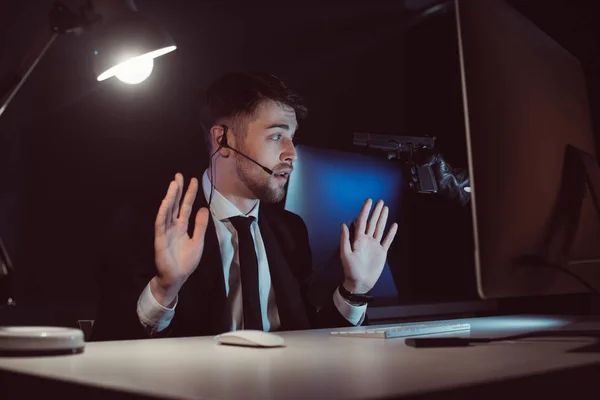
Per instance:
(156,317)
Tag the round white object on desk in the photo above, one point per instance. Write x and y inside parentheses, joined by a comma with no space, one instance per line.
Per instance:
(18,341)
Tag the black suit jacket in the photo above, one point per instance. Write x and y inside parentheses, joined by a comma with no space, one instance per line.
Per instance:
(202,307)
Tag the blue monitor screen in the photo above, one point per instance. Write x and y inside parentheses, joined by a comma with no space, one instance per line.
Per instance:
(329,187)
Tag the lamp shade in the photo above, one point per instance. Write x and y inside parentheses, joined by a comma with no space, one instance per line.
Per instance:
(126,48)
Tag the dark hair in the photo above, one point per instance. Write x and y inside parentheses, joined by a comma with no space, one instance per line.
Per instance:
(237,95)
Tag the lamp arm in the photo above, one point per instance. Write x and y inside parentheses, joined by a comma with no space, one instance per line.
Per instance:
(62,20)
(14,83)
(8,90)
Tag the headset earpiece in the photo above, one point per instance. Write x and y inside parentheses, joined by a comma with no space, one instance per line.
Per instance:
(223,144)
(223,138)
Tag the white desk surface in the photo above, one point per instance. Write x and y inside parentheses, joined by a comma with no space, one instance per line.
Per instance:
(314,364)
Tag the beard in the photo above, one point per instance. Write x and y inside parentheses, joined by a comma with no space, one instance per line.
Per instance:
(262,185)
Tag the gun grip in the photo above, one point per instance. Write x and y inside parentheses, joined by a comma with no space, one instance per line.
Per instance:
(426,180)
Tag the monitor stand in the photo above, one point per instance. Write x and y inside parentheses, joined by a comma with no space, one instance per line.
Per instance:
(580,178)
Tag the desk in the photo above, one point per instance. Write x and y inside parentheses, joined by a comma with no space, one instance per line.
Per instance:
(316,365)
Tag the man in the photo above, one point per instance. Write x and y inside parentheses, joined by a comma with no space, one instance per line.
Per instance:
(222,256)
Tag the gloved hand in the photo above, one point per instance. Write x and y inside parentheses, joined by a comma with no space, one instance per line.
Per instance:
(451,182)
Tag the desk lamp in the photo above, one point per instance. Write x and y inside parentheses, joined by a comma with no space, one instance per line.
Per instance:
(126,47)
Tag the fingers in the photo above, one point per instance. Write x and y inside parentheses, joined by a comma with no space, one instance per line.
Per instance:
(361,223)
(188,201)
(374,219)
(390,237)
(381,223)
(200,225)
(164,211)
(345,246)
(179,181)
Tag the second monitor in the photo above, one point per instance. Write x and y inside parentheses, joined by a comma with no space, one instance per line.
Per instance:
(525,104)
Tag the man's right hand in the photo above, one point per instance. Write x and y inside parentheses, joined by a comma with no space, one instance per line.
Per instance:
(176,254)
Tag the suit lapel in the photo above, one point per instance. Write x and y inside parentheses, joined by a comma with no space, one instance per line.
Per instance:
(292,313)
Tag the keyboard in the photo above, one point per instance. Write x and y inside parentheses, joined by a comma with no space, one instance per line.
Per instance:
(406,330)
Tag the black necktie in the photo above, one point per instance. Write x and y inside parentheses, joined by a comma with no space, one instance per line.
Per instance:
(248,272)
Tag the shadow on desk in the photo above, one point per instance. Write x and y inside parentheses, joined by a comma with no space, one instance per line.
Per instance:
(29,387)
(588,348)
(569,383)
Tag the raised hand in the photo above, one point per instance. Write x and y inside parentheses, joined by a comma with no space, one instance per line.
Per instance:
(365,257)
(176,254)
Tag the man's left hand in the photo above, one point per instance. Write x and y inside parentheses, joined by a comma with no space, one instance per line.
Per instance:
(364,259)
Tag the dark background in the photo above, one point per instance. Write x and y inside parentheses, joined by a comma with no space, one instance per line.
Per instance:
(72,150)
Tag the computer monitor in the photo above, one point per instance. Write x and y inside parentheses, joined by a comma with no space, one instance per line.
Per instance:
(525,101)
(329,187)
(427,269)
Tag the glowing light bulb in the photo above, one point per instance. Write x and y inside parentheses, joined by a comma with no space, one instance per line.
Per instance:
(135,70)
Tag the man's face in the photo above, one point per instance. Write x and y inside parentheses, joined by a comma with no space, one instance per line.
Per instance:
(269,141)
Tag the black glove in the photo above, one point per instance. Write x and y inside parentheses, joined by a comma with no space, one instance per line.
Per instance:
(451,182)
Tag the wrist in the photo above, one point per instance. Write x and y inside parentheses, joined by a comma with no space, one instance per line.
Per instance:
(355,287)
(353,297)
(164,293)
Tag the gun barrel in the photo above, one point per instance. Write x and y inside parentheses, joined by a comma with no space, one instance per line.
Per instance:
(391,142)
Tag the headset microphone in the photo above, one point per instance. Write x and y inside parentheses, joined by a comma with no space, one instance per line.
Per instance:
(223,143)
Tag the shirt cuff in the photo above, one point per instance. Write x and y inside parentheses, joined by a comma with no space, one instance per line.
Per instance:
(353,313)
(153,315)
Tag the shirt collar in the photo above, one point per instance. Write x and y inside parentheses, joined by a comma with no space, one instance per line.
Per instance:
(220,207)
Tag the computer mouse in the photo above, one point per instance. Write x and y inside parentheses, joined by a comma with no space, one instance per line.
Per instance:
(250,338)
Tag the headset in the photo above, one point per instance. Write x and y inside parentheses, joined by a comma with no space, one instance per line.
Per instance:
(223,144)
